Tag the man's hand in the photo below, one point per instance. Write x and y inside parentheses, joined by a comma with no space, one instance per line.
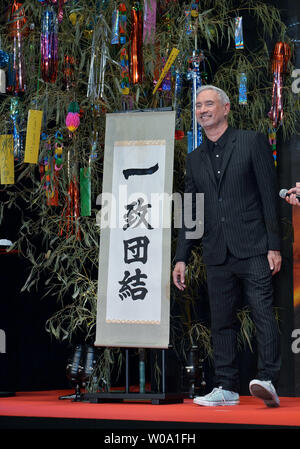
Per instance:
(292,199)
(274,258)
(179,275)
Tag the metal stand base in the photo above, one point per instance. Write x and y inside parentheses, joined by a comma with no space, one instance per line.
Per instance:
(155,398)
(76,396)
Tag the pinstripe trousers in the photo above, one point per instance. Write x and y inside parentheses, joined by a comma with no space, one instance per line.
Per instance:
(251,278)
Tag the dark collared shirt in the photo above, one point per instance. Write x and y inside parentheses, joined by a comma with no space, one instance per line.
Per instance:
(216,151)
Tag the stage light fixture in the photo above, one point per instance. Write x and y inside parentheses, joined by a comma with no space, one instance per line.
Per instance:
(193,372)
(80,369)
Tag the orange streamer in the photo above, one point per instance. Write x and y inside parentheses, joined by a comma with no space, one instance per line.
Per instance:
(136,55)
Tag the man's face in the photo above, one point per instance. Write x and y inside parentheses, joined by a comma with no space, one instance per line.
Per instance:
(210,111)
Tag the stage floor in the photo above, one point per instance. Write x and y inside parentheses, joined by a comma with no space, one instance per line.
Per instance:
(44,410)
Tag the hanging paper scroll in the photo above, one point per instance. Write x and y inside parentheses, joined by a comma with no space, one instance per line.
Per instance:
(135,234)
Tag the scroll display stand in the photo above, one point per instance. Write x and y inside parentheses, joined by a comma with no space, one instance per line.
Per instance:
(156,398)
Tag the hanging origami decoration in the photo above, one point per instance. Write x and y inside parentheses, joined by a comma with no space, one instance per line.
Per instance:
(18,28)
(50,166)
(69,223)
(125,71)
(188,22)
(124,53)
(47,173)
(49,45)
(73,117)
(58,151)
(280,59)
(122,23)
(68,72)
(273,143)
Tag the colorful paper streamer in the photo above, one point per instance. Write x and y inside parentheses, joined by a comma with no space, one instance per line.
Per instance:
(173,55)
(280,59)
(195,137)
(49,45)
(18,29)
(242,88)
(136,45)
(238,33)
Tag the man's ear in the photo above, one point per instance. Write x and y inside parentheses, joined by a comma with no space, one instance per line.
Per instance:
(226,109)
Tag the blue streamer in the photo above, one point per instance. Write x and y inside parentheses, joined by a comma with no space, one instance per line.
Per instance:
(190,141)
(243,89)
(177,95)
(115,27)
(4,59)
(238,33)
(195,76)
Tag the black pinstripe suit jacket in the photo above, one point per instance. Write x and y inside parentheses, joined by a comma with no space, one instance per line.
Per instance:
(240,211)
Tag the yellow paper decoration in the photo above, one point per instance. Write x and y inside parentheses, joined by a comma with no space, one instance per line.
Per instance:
(33,135)
(171,59)
(7,169)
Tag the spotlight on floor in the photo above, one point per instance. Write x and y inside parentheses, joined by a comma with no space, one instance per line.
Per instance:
(80,369)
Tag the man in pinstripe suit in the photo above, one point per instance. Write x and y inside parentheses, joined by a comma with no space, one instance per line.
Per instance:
(241,243)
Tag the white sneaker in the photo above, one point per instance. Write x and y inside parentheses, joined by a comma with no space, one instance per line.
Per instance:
(218,396)
(264,389)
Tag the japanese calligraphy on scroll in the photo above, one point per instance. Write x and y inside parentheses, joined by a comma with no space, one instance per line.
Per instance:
(134,259)
(134,284)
